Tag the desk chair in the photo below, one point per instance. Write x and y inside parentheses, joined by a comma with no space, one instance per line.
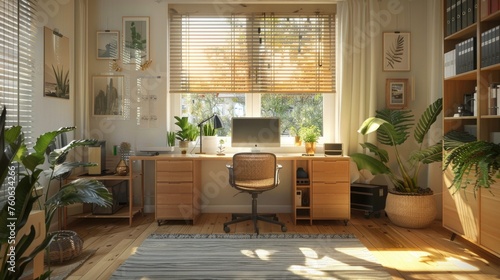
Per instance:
(254,173)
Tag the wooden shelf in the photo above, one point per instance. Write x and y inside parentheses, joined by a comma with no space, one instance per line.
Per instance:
(121,213)
(472,216)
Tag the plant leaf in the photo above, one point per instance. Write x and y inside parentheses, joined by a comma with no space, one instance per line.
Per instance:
(428,155)
(397,129)
(372,164)
(81,191)
(428,118)
(382,154)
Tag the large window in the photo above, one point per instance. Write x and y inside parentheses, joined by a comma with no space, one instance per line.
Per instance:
(16,65)
(252,64)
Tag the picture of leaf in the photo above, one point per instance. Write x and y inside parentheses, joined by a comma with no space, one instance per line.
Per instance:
(395,52)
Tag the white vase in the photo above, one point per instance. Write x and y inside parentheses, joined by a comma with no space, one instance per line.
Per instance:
(209,144)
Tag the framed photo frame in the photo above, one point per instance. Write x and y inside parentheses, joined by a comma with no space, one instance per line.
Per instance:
(135,42)
(56,68)
(107,95)
(396,93)
(108,44)
(396,51)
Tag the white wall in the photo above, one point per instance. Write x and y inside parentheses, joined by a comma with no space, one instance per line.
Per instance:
(51,113)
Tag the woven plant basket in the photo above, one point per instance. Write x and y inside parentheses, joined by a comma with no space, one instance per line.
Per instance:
(65,246)
(411,211)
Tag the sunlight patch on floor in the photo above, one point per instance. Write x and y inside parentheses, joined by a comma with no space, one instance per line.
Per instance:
(422,261)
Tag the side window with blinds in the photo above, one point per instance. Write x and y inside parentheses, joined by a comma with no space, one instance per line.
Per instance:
(16,66)
(220,61)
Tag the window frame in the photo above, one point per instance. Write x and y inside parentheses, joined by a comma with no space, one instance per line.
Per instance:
(253,104)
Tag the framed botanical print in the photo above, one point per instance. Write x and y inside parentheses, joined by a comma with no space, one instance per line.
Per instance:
(135,40)
(107,95)
(396,51)
(396,93)
(108,44)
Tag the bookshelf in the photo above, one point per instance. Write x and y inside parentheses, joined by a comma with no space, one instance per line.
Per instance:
(470,104)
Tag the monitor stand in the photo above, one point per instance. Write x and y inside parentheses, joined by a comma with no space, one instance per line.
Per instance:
(255,149)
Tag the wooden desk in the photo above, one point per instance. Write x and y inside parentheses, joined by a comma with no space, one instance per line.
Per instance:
(178,186)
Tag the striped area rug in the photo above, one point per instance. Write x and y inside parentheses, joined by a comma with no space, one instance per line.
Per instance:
(248,256)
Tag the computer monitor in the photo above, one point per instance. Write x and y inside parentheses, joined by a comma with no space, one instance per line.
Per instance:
(255,132)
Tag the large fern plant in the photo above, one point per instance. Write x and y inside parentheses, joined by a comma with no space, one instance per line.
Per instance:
(393,128)
(469,158)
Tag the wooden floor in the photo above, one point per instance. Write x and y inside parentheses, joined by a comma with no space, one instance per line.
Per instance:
(406,254)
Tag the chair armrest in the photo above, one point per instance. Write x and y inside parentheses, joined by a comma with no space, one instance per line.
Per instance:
(231,172)
(277,177)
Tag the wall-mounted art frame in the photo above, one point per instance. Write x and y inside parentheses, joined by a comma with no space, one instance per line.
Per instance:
(56,65)
(107,95)
(135,40)
(108,44)
(396,93)
(396,51)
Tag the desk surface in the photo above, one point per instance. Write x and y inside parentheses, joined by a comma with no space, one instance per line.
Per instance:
(283,156)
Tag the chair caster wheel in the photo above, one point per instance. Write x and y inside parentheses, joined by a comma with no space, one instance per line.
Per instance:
(283,229)
(227,229)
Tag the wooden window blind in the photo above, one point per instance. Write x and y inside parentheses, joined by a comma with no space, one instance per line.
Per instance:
(16,66)
(252,53)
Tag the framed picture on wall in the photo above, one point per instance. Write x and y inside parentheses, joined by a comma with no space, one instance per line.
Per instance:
(396,93)
(108,46)
(396,51)
(107,95)
(56,66)
(135,40)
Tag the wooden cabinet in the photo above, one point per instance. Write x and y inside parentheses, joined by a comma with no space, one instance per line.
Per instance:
(177,192)
(470,215)
(327,191)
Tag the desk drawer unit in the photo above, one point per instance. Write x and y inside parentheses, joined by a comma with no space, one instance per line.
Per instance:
(175,196)
(330,190)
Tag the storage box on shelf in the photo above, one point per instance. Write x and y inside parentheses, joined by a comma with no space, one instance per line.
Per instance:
(465,213)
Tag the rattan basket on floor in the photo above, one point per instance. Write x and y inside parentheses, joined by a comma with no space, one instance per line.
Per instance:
(411,211)
(65,246)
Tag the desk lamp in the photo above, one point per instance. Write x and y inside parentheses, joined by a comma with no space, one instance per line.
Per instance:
(217,124)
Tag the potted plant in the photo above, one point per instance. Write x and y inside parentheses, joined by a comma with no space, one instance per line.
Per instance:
(77,191)
(465,155)
(188,132)
(209,138)
(171,140)
(408,197)
(310,135)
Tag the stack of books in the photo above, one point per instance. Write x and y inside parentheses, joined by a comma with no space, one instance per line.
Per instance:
(449,64)
(490,46)
(489,7)
(460,14)
(465,56)
(461,59)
